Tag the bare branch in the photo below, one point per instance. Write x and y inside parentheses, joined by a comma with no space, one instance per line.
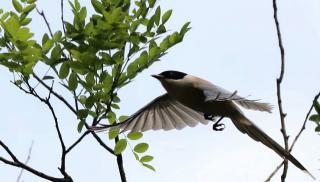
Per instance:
(41,13)
(54,93)
(295,139)
(26,161)
(77,141)
(62,16)
(279,81)
(19,164)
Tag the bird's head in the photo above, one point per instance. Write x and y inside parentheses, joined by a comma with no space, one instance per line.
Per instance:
(170,75)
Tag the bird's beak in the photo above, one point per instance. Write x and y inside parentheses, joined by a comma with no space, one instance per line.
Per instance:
(159,77)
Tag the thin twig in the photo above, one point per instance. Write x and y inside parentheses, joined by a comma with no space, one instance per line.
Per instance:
(55,93)
(41,13)
(295,139)
(279,81)
(32,91)
(62,16)
(77,141)
(19,164)
(26,161)
(75,112)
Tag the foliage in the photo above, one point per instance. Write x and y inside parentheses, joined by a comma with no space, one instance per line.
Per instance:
(92,57)
(316,117)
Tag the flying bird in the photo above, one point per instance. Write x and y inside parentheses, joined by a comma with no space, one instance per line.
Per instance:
(191,100)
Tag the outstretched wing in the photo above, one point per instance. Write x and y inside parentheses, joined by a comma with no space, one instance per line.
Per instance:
(163,113)
(215,93)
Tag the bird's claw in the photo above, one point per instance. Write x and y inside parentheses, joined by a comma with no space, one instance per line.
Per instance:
(218,126)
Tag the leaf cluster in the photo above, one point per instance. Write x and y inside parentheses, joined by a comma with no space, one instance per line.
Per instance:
(93,57)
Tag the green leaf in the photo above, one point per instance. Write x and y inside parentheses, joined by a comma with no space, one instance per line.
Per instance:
(151,3)
(135,135)
(166,16)
(315,118)
(76,5)
(107,83)
(64,70)
(29,8)
(57,35)
(82,99)
(174,38)
(316,106)
(31,1)
(164,45)
(143,59)
(122,118)
(89,101)
(150,23)
(17,6)
(185,28)
(141,147)
(120,146)
(25,21)
(113,133)
(83,13)
(90,79)
(73,81)
(149,167)
(80,125)
(45,38)
(82,113)
(47,77)
(47,46)
(157,15)
(154,53)
(115,106)
(161,29)
(98,7)
(317,129)
(146,158)
(18,82)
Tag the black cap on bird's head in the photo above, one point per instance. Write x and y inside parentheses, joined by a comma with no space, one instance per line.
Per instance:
(174,75)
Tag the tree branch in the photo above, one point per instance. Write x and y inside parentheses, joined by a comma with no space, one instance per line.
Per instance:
(32,91)
(19,164)
(26,161)
(77,141)
(279,81)
(295,139)
(41,13)
(120,164)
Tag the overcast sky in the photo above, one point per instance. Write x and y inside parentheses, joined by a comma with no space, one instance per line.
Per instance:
(232,44)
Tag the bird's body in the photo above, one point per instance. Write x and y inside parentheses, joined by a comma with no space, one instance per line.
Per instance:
(189,99)
(197,100)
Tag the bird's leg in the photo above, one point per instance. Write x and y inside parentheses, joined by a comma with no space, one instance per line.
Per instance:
(217,126)
(208,116)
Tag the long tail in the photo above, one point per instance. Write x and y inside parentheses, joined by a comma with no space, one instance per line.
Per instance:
(246,126)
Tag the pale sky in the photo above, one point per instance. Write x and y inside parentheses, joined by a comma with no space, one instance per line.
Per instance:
(232,44)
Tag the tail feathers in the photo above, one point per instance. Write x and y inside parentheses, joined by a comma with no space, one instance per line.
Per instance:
(246,126)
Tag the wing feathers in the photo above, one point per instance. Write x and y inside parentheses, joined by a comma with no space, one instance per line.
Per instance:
(163,113)
(258,106)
